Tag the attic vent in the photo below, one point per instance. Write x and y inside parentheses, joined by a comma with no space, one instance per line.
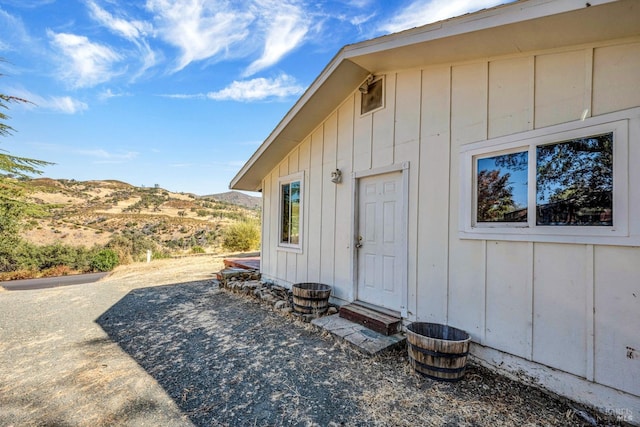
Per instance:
(372,96)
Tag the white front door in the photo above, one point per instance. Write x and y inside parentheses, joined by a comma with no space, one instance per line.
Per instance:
(381,238)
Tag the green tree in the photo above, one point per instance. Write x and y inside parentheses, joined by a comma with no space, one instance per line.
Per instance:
(14,166)
(13,205)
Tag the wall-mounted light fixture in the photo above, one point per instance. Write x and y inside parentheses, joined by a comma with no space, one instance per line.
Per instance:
(336,176)
(364,87)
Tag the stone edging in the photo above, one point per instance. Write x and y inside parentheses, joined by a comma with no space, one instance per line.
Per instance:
(279,298)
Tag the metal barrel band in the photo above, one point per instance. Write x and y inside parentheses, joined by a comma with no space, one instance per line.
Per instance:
(438,353)
(310,298)
(306,307)
(438,369)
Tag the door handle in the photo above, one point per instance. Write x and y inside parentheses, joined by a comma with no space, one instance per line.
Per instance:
(359,245)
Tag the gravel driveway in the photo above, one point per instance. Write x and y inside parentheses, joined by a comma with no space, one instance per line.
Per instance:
(118,353)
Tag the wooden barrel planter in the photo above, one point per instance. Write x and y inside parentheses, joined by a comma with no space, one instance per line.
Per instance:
(438,351)
(311,298)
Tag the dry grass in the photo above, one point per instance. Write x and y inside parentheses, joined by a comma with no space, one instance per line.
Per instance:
(90,213)
(390,393)
(170,270)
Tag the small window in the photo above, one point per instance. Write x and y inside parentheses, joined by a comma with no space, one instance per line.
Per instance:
(372,96)
(566,183)
(291,188)
(501,188)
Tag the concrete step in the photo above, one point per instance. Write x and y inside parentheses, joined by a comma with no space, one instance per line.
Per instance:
(362,338)
(380,322)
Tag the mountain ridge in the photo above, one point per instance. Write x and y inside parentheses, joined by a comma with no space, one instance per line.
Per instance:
(88,213)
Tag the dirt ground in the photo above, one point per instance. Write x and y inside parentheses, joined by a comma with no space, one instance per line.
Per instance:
(160,344)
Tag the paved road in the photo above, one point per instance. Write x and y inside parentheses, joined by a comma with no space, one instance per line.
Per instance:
(51,282)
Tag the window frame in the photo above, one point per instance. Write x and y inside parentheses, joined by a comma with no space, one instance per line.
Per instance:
(287,180)
(382,80)
(622,124)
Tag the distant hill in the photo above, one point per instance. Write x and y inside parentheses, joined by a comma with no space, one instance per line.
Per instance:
(87,213)
(237,198)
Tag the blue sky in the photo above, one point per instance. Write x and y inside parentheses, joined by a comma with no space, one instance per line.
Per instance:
(178,93)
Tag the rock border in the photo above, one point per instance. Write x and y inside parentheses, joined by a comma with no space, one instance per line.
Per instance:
(280,299)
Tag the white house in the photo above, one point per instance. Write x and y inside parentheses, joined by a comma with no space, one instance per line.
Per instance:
(482,172)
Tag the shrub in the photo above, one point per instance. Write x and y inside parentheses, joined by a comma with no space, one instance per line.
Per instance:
(58,270)
(197,250)
(104,260)
(54,255)
(21,257)
(241,236)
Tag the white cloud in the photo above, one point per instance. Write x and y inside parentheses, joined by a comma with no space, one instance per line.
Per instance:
(286,26)
(185,96)
(250,90)
(200,29)
(12,32)
(105,156)
(89,63)
(58,104)
(360,3)
(361,19)
(258,89)
(108,94)
(65,104)
(422,12)
(29,4)
(132,30)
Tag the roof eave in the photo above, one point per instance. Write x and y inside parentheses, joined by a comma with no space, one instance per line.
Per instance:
(411,48)
(335,82)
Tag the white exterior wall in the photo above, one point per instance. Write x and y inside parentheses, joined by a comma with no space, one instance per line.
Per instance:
(570,307)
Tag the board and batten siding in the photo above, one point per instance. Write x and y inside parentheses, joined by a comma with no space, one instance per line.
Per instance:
(572,307)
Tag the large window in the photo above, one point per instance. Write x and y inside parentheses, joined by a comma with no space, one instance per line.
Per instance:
(565,183)
(291,188)
(573,184)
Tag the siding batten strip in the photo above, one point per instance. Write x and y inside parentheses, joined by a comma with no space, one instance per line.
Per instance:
(534,125)
(395,113)
(590,312)
(448,272)
(533,299)
(588,84)
(485,284)
(529,284)
(532,93)
(412,306)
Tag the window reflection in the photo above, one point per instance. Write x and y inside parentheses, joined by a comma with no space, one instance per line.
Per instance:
(574,182)
(290,220)
(502,188)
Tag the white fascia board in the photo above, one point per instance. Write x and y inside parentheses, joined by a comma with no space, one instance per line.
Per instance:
(498,16)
